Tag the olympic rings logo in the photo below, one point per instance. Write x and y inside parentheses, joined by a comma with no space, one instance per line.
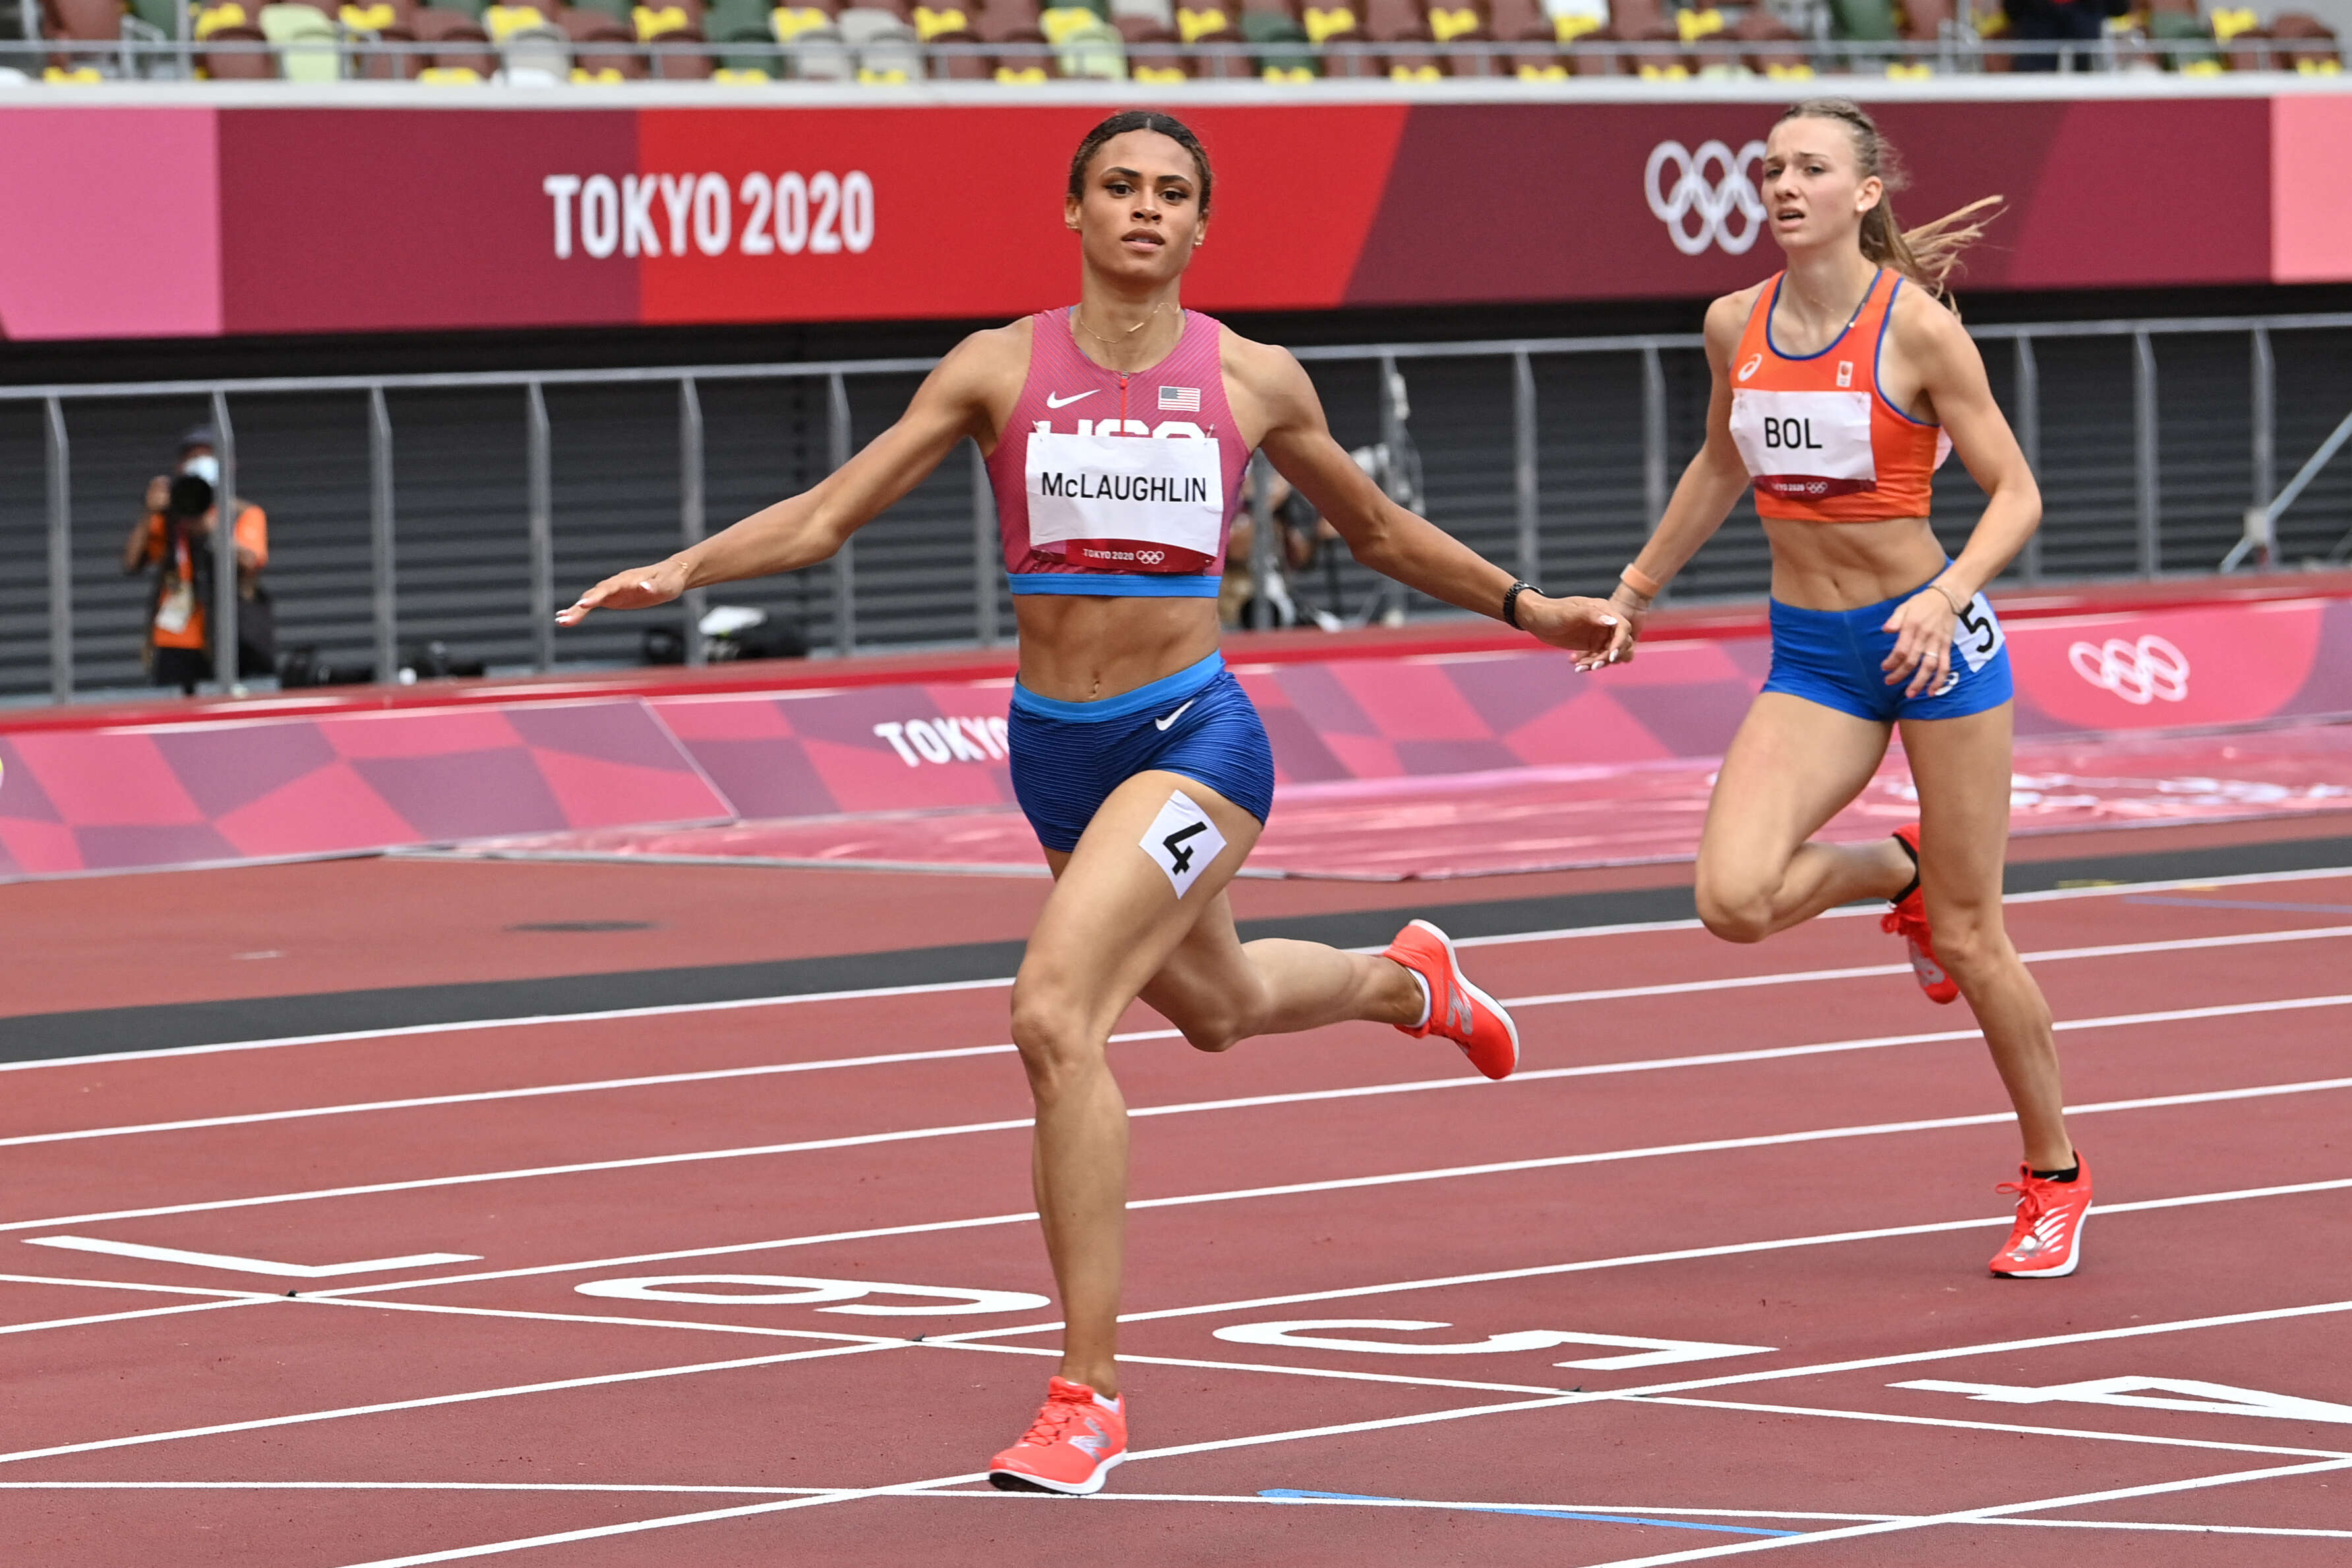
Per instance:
(1713,183)
(1151,557)
(2150,669)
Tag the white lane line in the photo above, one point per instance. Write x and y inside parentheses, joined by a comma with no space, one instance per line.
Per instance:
(484,1486)
(671,1521)
(1004,982)
(987,1221)
(526,1021)
(612,1320)
(1980,1515)
(2186,1529)
(129,1285)
(429,1401)
(2090,1434)
(129,1317)
(644,1162)
(1678,988)
(1637,1259)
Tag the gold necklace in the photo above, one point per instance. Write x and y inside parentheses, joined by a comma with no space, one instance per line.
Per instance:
(1119,343)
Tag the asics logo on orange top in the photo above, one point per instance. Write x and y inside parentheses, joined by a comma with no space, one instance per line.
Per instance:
(1816,431)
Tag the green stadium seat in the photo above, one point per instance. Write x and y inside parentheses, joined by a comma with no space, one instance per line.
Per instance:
(309,44)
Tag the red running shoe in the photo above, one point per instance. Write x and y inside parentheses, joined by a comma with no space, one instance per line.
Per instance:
(1457,1009)
(1908,920)
(1070,1448)
(2046,1243)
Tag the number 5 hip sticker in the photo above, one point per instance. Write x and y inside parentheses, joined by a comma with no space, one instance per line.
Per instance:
(1181,841)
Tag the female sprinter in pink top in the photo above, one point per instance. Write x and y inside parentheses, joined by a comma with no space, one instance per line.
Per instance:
(1117,432)
(1840,385)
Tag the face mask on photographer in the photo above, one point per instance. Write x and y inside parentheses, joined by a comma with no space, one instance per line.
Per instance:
(205,465)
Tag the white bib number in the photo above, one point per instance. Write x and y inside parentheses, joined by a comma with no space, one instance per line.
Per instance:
(1181,841)
(1127,503)
(176,608)
(1804,446)
(1977,636)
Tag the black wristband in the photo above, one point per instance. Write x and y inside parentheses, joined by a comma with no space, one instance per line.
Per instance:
(1511,603)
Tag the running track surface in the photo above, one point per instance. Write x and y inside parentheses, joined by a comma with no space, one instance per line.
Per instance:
(1670,1295)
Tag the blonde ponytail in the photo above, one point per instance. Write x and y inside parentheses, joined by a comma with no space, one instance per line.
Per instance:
(1929,255)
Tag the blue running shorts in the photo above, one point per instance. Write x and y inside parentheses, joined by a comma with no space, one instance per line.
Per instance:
(1832,657)
(1069,757)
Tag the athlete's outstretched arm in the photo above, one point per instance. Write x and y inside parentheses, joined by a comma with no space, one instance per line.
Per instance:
(803,530)
(1709,486)
(1381,534)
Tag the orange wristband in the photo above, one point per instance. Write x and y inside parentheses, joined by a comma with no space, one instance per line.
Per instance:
(1640,581)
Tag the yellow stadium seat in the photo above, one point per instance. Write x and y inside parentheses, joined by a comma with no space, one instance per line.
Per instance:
(212,19)
(1326,21)
(1287,74)
(370,18)
(658,21)
(448,76)
(1448,23)
(1568,28)
(868,77)
(1058,22)
(1192,25)
(1664,73)
(788,22)
(1543,73)
(1160,74)
(1783,72)
(78,76)
(929,23)
(727,76)
(1415,73)
(2228,23)
(1021,76)
(2319,67)
(599,78)
(1695,25)
(502,21)
(1918,71)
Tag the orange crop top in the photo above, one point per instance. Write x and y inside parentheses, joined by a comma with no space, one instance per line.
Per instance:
(1816,432)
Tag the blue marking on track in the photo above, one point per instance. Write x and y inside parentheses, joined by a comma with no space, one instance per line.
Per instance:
(1284,1494)
(2241,904)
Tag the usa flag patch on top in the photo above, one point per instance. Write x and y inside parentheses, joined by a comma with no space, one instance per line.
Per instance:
(1180,400)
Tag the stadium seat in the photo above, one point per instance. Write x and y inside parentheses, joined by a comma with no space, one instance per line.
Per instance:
(1011,28)
(1781,50)
(2178,22)
(888,53)
(1523,23)
(1574,19)
(309,44)
(230,23)
(1399,27)
(1211,27)
(1148,27)
(536,54)
(1284,55)
(598,38)
(460,45)
(80,21)
(1863,21)
(382,21)
(1645,22)
(2317,52)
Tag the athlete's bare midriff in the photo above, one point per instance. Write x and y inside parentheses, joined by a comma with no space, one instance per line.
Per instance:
(1845,565)
(1081,648)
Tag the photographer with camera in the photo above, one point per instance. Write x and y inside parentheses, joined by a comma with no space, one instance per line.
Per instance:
(175,537)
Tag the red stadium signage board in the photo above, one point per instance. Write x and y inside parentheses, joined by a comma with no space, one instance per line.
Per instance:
(324,219)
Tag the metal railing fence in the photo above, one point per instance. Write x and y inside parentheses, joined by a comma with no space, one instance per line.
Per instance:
(1573,498)
(358,54)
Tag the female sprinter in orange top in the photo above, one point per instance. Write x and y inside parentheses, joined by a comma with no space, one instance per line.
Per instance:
(1117,432)
(1840,385)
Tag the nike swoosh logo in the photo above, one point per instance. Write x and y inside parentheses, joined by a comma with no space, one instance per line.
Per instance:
(1054,400)
(1163,723)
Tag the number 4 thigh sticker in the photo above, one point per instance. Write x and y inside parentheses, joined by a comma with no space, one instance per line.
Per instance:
(1182,841)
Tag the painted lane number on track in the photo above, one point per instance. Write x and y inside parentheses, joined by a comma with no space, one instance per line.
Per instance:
(2150,1394)
(1302,1332)
(796,1290)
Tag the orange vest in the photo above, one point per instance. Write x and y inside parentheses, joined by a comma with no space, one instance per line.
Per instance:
(1816,432)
